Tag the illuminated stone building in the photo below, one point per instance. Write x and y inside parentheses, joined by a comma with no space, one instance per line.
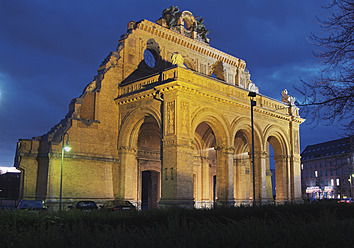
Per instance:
(166,122)
(327,169)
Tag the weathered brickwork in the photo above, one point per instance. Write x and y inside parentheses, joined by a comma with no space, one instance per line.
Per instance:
(165,122)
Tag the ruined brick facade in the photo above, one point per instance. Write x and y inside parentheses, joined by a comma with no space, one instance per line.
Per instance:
(165,122)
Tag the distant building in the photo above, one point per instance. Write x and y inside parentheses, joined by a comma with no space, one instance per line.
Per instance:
(327,169)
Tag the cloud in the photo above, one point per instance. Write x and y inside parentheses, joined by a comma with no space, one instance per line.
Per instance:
(50,50)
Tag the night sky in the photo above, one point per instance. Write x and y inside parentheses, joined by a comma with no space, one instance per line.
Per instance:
(50,50)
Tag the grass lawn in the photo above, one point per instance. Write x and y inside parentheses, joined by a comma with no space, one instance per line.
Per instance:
(308,225)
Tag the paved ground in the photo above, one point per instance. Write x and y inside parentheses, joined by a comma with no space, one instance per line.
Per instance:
(8,204)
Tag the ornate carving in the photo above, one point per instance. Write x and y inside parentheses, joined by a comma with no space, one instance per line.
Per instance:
(227,149)
(170,117)
(178,60)
(218,69)
(281,158)
(252,87)
(152,45)
(296,142)
(127,149)
(149,154)
(290,100)
(171,15)
(184,23)
(186,143)
(184,117)
(201,30)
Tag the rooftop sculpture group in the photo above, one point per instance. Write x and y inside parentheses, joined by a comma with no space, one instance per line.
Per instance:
(184,23)
(286,98)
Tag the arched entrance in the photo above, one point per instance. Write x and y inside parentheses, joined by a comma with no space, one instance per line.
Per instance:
(149,163)
(243,169)
(204,167)
(271,182)
(280,183)
(244,182)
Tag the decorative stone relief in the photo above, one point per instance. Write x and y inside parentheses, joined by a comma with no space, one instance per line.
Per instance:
(203,68)
(170,117)
(230,78)
(296,142)
(184,117)
(128,149)
(290,100)
(252,87)
(178,60)
(184,23)
(218,69)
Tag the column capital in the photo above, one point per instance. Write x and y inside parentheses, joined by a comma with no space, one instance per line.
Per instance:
(227,149)
(128,149)
(281,157)
(261,154)
(269,172)
(178,142)
(258,154)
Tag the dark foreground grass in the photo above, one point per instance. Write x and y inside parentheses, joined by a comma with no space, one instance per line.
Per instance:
(313,225)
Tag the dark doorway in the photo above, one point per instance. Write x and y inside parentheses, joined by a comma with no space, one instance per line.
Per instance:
(149,192)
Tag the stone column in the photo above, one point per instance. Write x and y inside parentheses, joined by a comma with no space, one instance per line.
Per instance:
(125,175)
(263,180)
(281,179)
(177,162)
(197,181)
(258,176)
(295,178)
(224,176)
(269,186)
(242,181)
(177,173)
(294,162)
(205,184)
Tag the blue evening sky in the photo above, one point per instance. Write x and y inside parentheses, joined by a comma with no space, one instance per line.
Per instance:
(50,50)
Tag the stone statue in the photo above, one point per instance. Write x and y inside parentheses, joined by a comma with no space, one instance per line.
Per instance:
(171,15)
(287,98)
(178,60)
(201,30)
(218,69)
(252,87)
(172,18)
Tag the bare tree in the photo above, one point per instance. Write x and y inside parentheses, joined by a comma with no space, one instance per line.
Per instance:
(328,98)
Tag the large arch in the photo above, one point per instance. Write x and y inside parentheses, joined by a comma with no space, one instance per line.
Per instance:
(209,117)
(275,137)
(204,166)
(216,121)
(243,168)
(130,125)
(149,164)
(135,157)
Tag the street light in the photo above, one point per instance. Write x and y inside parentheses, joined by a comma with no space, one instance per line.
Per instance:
(252,94)
(65,148)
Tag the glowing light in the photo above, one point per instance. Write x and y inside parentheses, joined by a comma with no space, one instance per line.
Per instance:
(67,148)
(208,149)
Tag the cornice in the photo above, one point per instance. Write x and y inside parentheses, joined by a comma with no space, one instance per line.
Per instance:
(189,43)
(195,84)
(82,157)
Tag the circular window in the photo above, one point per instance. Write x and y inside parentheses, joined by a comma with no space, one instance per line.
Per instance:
(149,58)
